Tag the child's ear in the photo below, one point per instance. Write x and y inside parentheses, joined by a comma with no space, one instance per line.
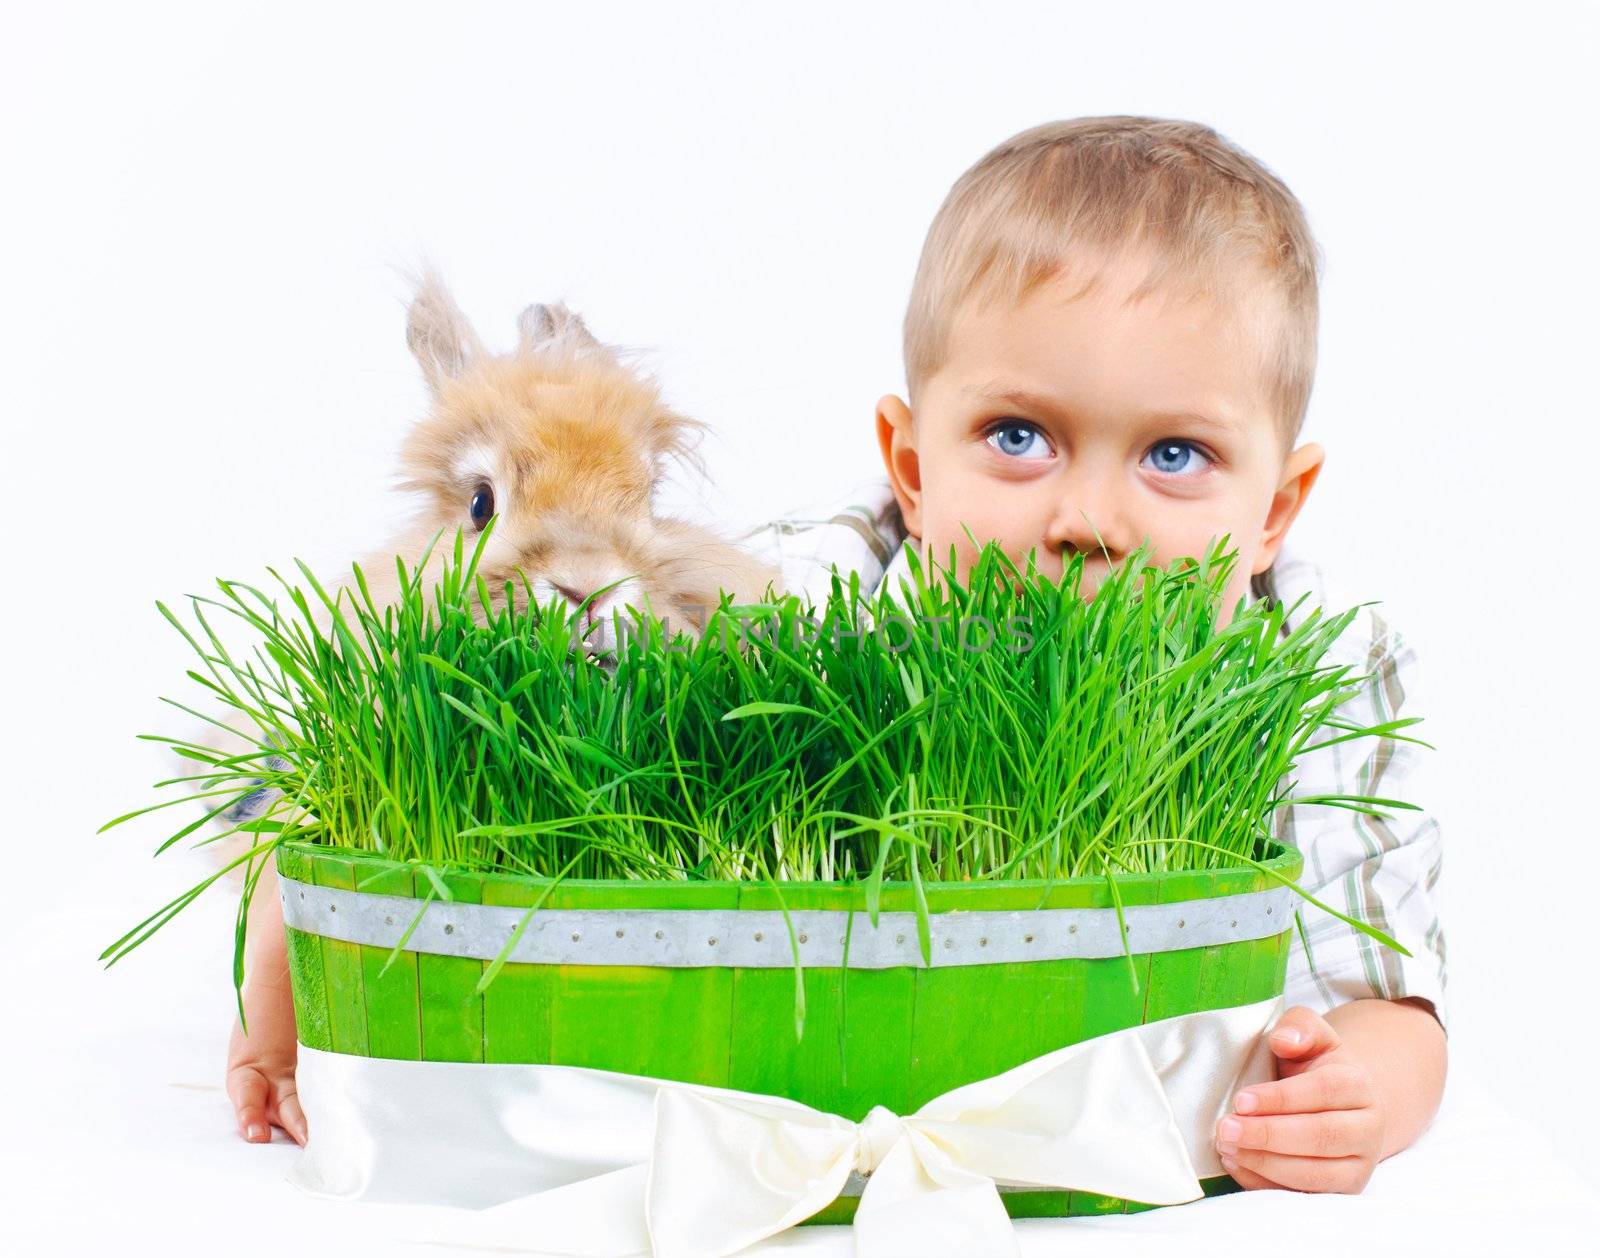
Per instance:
(1300,472)
(897,442)
(438,333)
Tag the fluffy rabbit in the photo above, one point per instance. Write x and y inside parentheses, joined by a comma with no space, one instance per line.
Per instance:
(567,445)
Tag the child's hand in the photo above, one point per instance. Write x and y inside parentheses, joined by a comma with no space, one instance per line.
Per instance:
(261,1066)
(1318,1128)
(260,1079)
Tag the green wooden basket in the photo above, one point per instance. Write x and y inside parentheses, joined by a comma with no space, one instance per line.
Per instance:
(694,980)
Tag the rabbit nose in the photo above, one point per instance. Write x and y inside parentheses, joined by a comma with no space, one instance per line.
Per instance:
(574,597)
(598,608)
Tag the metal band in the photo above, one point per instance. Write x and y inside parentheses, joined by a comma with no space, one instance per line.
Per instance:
(759,939)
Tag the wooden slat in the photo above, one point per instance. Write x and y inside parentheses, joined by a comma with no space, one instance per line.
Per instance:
(393,998)
(1177,978)
(1029,1008)
(305,963)
(869,1067)
(452,1009)
(310,992)
(1110,1001)
(1225,975)
(649,1020)
(517,1003)
(341,965)
(1268,957)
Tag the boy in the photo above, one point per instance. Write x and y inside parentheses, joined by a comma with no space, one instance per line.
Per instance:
(1111,337)
(1091,293)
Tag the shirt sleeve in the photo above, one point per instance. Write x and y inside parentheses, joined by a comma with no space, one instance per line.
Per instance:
(1381,870)
(857,531)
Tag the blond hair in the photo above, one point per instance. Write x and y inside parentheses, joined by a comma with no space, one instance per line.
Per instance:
(1213,219)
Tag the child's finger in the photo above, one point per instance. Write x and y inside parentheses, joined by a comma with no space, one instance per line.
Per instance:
(1301,1033)
(247,1089)
(1347,1174)
(1246,1178)
(1334,1133)
(1334,1086)
(291,1117)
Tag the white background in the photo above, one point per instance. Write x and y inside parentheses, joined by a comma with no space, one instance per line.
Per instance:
(205,372)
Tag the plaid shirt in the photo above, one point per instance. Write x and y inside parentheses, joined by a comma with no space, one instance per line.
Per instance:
(1383,871)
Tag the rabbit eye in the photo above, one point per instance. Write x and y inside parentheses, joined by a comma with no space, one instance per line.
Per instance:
(482,504)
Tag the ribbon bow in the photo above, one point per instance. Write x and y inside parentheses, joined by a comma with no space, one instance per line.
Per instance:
(726,1172)
(597,1162)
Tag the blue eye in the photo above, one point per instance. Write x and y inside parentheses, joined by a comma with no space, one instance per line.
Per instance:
(1016,437)
(482,505)
(1172,457)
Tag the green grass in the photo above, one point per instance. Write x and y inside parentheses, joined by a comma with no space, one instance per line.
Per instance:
(862,740)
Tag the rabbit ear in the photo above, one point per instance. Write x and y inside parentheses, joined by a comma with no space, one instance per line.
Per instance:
(438,333)
(542,328)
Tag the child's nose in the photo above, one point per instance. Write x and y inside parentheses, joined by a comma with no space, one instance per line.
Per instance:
(1091,527)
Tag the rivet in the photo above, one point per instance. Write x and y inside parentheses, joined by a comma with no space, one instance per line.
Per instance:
(333,908)
(712,941)
(302,895)
(1234,922)
(1027,939)
(1073,929)
(659,935)
(575,936)
(949,943)
(449,929)
(1269,910)
(899,939)
(758,936)
(802,938)
(619,934)
(388,921)
(983,943)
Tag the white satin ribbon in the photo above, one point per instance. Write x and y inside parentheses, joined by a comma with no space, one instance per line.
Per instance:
(594,1162)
